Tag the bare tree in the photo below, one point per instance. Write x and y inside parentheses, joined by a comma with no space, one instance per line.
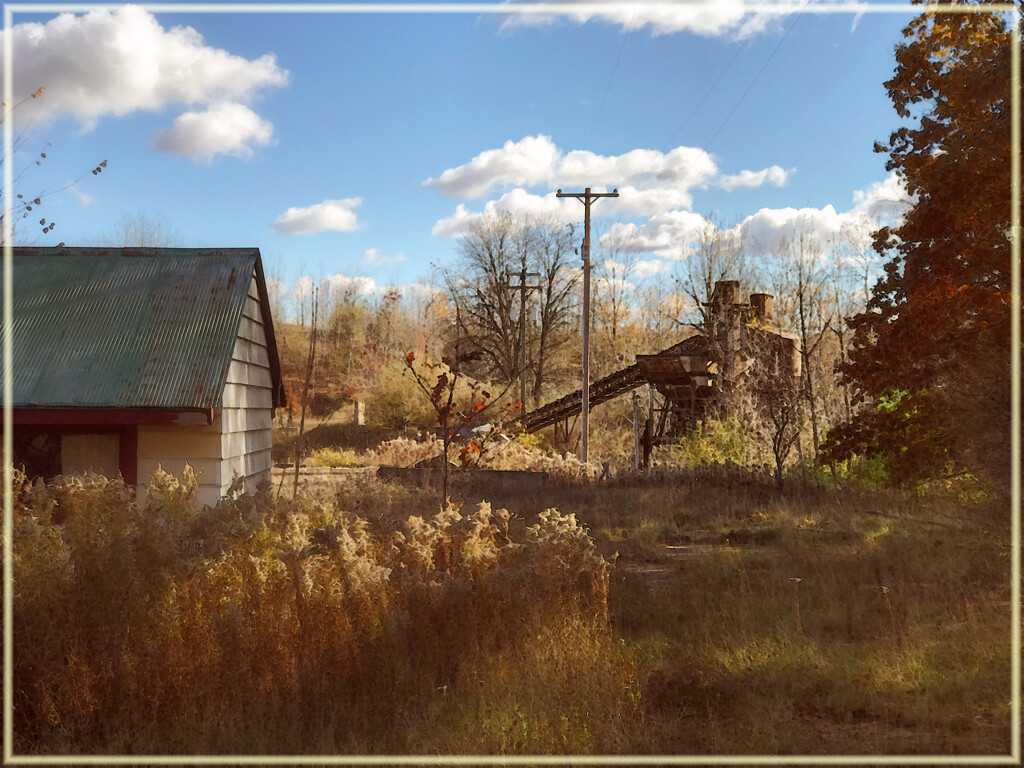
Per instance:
(141,230)
(614,303)
(801,282)
(777,390)
(716,255)
(26,208)
(487,304)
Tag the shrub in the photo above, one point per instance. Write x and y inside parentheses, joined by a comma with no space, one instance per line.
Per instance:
(293,625)
(334,457)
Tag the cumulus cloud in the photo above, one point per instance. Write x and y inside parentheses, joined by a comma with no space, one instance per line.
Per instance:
(329,215)
(517,202)
(115,62)
(526,162)
(773,175)
(648,181)
(665,235)
(884,200)
(710,19)
(651,267)
(223,129)
(671,235)
(373,256)
(538,161)
(340,285)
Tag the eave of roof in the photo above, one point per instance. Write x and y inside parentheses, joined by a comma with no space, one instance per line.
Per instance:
(131,327)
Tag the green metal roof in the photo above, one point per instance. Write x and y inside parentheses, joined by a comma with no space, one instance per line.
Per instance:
(130,327)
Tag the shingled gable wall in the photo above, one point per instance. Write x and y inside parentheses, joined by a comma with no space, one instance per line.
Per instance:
(238,440)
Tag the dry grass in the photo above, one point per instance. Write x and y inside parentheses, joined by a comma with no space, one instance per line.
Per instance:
(297,627)
(737,620)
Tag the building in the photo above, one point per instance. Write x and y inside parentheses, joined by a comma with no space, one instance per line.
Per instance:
(129,359)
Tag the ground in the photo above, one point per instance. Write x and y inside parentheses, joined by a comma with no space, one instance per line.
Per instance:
(804,621)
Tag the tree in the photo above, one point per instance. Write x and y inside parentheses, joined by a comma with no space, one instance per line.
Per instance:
(140,230)
(716,255)
(929,362)
(456,416)
(26,206)
(778,396)
(802,289)
(486,304)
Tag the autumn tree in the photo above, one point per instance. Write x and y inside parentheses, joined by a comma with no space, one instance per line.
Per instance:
(929,363)
(778,397)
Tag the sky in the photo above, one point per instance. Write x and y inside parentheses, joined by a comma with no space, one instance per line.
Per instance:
(361,147)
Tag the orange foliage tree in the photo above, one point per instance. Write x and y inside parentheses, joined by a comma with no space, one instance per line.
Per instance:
(930,363)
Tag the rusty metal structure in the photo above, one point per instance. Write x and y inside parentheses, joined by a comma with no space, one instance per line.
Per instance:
(691,375)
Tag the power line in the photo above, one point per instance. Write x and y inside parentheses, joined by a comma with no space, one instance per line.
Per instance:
(739,50)
(734,108)
(612,78)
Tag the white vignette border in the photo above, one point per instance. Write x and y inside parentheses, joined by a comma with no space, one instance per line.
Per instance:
(506,9)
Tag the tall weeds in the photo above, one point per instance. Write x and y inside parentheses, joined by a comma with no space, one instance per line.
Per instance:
(290,626)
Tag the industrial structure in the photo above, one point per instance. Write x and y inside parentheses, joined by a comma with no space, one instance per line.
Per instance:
(129,359)
(690,376)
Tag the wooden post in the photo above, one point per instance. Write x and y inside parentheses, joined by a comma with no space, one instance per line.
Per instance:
(587,198)
(636,431)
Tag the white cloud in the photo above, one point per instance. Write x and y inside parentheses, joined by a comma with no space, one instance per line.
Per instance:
(609,285)
(884,199)
(648,181)
(223,129)
(665,235)
(115,62)
(770,229)
(672,234)
(710,19)
(341,285)
(329,215)
(373,256)
(526,162)
(645,269)
(537,161)
(516,201)
(773,175)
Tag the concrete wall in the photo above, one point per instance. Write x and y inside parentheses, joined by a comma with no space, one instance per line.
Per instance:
(247,411)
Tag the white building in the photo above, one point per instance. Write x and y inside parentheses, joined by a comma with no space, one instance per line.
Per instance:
(134,358)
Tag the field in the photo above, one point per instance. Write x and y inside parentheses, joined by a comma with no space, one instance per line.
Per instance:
(676,615)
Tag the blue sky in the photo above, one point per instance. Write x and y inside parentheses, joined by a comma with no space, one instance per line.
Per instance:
(364,145)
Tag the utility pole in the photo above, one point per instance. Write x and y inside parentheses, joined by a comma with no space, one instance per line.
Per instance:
(586,197)
(522,288)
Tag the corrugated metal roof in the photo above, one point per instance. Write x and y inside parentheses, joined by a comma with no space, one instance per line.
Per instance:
(126,328)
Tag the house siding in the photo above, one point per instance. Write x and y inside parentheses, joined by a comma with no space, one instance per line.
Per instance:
(170,448)
(247,404)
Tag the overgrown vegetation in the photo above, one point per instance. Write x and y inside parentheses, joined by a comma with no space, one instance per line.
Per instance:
(736,620)
(296,626)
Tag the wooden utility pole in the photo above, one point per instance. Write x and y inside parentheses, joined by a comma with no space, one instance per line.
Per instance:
(522,288)
(586,197)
